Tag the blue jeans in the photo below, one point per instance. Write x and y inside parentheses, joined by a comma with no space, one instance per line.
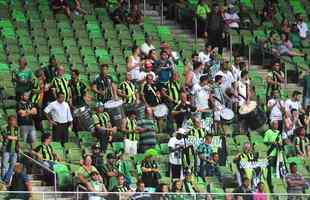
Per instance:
(8,163)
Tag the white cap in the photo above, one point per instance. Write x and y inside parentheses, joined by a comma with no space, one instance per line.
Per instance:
(181,131)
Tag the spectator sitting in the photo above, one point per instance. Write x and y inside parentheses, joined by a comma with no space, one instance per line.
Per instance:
(147,46)
(96,185)
(61,5)
(295,182)
(231,17)
(295,38)
(189,185)
(244,189)
(285,26)
(301,143)
(213,165)
(135,15)
(120,14)
(121,185)
(286,47)
(23,78)
(84,172)
(141,193)
(302,27)
(20,182)
(246,20)
(260,192)
(97,159)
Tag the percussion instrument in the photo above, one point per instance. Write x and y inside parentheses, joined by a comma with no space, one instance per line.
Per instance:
(262,163)
(83,118)
(115,109)
(160,111)
(253,115)
(140,108)
(227,115)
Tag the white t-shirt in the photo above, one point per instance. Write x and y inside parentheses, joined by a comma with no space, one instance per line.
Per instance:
(201,96)
(289,105)
(236,72)
(60,112)
(303,29)
(203,57)
(276,113)
(232,16)
(228,79)
(145,48)
(242,92)
(175,158)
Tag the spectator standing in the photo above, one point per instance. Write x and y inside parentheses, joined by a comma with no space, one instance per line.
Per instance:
(214,28)
(150,92)
(148,137)
(202,12)
(135,16)
(103,85)
(275,79)
(61,84)
(150,169)
(10,148)
(127,90)
(61,5)
(294,102)
(176,145)
(205,56)
(295,183)
(204,151)
(78,89)
(301,142)
(20,182)
(23,78)
(59,116)
(164,67)
(102,126)
(134,64)
(26,112)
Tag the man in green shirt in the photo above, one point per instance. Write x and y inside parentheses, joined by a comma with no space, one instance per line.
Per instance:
(273,139)
(10,148)
(23,78)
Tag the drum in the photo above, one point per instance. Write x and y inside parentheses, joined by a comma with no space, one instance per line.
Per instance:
(116,111)
(227,115)
(255,118)
(83,119)
(161,111)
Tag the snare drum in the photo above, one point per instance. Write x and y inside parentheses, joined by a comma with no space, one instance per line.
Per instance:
(253,115)
(161,111)
(227,115)
(83,119)
(115,109)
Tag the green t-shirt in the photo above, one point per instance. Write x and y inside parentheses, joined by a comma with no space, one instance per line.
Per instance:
(202,11)
(9,145)
(86,173)
(25,75)
(270,137)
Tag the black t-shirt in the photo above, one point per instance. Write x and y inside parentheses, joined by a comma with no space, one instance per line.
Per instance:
(149,92)
(22,121)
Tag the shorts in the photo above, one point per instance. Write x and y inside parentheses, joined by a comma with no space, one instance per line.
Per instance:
(175,171)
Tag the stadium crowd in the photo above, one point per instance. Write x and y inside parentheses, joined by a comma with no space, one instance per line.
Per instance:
(197,112)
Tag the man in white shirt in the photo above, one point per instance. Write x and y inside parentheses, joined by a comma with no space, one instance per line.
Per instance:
(204,56)
(228,78)
(147,46)
(201,93)
(302,27)
(59,116)
(243,86)
(176,145)
(276,107)
(236,71)
(294,102)
(231,17)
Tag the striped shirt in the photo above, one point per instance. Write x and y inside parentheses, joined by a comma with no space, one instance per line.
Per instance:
(147,138)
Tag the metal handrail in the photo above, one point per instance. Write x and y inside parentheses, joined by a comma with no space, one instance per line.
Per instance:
(78,187)
(44,167)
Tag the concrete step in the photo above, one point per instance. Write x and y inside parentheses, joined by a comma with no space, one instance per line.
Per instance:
(42,188)
(36,183)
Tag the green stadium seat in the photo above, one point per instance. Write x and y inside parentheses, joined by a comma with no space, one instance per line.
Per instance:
(74,155)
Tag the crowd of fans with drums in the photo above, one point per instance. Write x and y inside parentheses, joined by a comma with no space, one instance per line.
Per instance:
(198,108)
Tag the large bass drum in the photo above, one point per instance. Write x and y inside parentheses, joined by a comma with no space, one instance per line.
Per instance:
(83,119)
(255,117)
(116,111)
